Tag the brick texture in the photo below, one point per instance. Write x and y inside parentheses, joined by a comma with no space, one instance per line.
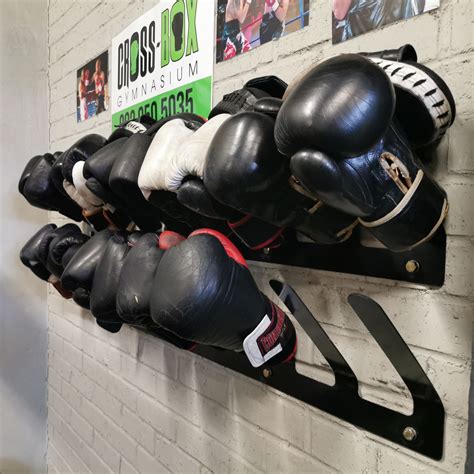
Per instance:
(130,403)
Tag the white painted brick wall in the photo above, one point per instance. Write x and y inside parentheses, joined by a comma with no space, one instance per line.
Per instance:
(130,403)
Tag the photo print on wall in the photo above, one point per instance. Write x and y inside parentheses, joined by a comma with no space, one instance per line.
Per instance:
(351,18)
(92,88)
(243,25)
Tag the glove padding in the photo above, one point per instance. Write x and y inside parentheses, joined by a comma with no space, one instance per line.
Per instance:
(357,159)
(38,188)
(217,301)
(79,270)
(29,252)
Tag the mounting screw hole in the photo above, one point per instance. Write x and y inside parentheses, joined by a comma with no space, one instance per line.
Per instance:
(412,266)
(409,433)
(267,373)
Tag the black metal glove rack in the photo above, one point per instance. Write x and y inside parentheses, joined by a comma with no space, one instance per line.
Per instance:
(423,265)
(423,430)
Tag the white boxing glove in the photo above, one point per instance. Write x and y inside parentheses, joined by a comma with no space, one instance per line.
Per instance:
(80,184)
(157,171)
(190,157)
(74,195)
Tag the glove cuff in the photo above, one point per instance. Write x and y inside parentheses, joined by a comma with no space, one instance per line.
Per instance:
(416,217)
(273,340)
(324,224)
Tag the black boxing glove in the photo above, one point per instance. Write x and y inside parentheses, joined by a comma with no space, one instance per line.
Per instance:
(244,170)
(123,181)
(244,99)
(204,292)
(44,251)
(176,165)
(74,182)
(25,176)
(29,252)
(65,242)
(99,168)
(405,53)
(38,188)
(56,243)
(136,281)
(106,278)
(352,154)
(80,268)
(425,106)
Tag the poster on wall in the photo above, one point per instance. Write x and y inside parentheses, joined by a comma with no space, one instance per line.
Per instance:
(352,18)
(92,96)
(243,25)
(162,63)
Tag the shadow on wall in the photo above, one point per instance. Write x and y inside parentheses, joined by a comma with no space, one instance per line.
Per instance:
(10,466)
(23,373)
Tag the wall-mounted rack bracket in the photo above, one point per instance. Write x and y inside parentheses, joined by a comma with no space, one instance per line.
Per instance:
(424,265)
(422,431)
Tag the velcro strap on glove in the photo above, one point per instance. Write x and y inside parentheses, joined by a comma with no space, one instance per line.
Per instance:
(273,339)
(416,217)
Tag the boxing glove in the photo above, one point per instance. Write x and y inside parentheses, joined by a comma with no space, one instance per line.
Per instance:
(425,106)
(135,285)
(106,278)
(175,163)
(57,173)
(65,241)
(244,99)
(79,265)
(244,170)
(27,173)
(55,243)
(80,268)
(152,178)
(123,181)
(157,170)
(204,292)
(82,150)
(74,182)
(29,253)
(352,154)
(39,190)
(97,171)
(405,53)
(187,169)
(35,254)
(130,128)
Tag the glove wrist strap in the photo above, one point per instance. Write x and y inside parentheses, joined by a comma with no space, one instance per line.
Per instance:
(273,339)
(415,218)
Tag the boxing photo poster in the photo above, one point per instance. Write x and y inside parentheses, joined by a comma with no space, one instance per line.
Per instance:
(243,25)
(162,63)
(92,96)
(351,18)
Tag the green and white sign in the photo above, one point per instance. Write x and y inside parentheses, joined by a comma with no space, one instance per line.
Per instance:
(162,63)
